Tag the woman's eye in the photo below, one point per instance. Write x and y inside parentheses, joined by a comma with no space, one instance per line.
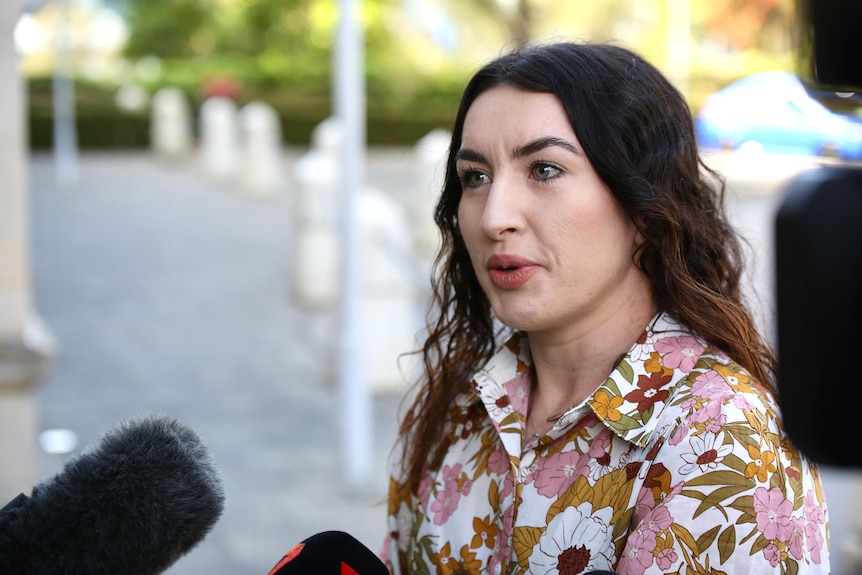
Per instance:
(545,171)
(472,179)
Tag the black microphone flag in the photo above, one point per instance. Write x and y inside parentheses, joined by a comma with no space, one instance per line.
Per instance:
(330,553)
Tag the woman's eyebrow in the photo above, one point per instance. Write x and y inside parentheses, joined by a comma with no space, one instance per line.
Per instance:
(542,143)
(470,156)
(537,145)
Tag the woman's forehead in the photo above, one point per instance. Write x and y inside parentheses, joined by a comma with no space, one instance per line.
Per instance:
(510,117)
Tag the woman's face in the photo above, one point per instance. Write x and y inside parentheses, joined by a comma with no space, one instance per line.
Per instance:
(551,246)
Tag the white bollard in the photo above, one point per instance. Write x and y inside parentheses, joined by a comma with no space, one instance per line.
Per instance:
(219,137)
(326,136)
(170,124)
(316,243)
(261,172)
(388,299)
(430,153)
(389,296)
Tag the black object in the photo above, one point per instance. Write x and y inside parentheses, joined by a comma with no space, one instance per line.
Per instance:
(818,247)
(827,44)
(818,254)
(330,553)
(133,504)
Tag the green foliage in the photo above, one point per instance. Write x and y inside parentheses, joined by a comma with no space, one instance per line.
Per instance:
(281,52)
(167,28)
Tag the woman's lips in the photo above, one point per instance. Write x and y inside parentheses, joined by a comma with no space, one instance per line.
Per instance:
(510,272)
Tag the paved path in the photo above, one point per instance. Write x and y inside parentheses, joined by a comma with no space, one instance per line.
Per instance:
(168,294)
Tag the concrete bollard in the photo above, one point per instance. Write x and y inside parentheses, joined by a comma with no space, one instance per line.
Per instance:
(170,124)
(261,171)
(219,135)
(388,300)
(389,275)
(430,168)
(316,243)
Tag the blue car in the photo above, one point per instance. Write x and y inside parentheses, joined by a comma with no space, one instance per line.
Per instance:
(774,113)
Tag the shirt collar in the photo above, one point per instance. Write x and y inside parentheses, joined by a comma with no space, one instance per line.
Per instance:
(629,402)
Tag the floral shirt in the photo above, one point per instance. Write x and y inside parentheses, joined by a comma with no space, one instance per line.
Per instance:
(677,463)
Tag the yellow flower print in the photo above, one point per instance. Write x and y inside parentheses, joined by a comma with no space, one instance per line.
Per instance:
(761,465)
(654,364)
(444,562)
(469,564)
(486,533)
(737,380)
(606,406)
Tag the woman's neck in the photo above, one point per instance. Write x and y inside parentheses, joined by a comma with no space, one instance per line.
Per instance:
(570,367)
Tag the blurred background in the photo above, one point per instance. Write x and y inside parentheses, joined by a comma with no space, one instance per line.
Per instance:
(417,53)
(221,210)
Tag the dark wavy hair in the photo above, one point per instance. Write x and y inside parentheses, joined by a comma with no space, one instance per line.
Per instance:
(637,131)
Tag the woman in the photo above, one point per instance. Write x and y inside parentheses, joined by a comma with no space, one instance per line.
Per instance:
(596,395)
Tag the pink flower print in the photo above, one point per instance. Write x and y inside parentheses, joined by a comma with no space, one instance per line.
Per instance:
(424,491)
(814,539)
(600,460)
(674,491)
(706,453)
(680,352)
(772,513)
(666,558)
(797,537)
(679,434)
(455,484)
(452,476)
(644,503)
(813,510)
(637,555)
(740,400)
(772,554)
(705,413)
(498,461)
(557,472)
(503,540)
(716,424)
(518,390)
(710,385)
(445,504)
(659,520)
(599,445)
(494,562)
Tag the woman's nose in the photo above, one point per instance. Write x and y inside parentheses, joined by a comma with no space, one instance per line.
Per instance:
(502,213)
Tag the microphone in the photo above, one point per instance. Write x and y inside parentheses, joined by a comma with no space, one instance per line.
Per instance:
(135,503)
(339,553)
(330,552)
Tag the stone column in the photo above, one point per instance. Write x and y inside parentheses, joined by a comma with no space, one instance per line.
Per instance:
(261,156)
(170,124)
(24,345)
(219,139)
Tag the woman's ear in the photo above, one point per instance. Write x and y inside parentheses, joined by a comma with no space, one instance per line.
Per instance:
(639,240)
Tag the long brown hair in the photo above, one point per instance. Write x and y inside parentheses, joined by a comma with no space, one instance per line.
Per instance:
(637,132)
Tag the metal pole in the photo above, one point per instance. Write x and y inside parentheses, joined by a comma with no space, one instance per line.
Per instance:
(354,398)
(65,132)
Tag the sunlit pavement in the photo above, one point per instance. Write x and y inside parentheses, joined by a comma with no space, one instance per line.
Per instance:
(170,294)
